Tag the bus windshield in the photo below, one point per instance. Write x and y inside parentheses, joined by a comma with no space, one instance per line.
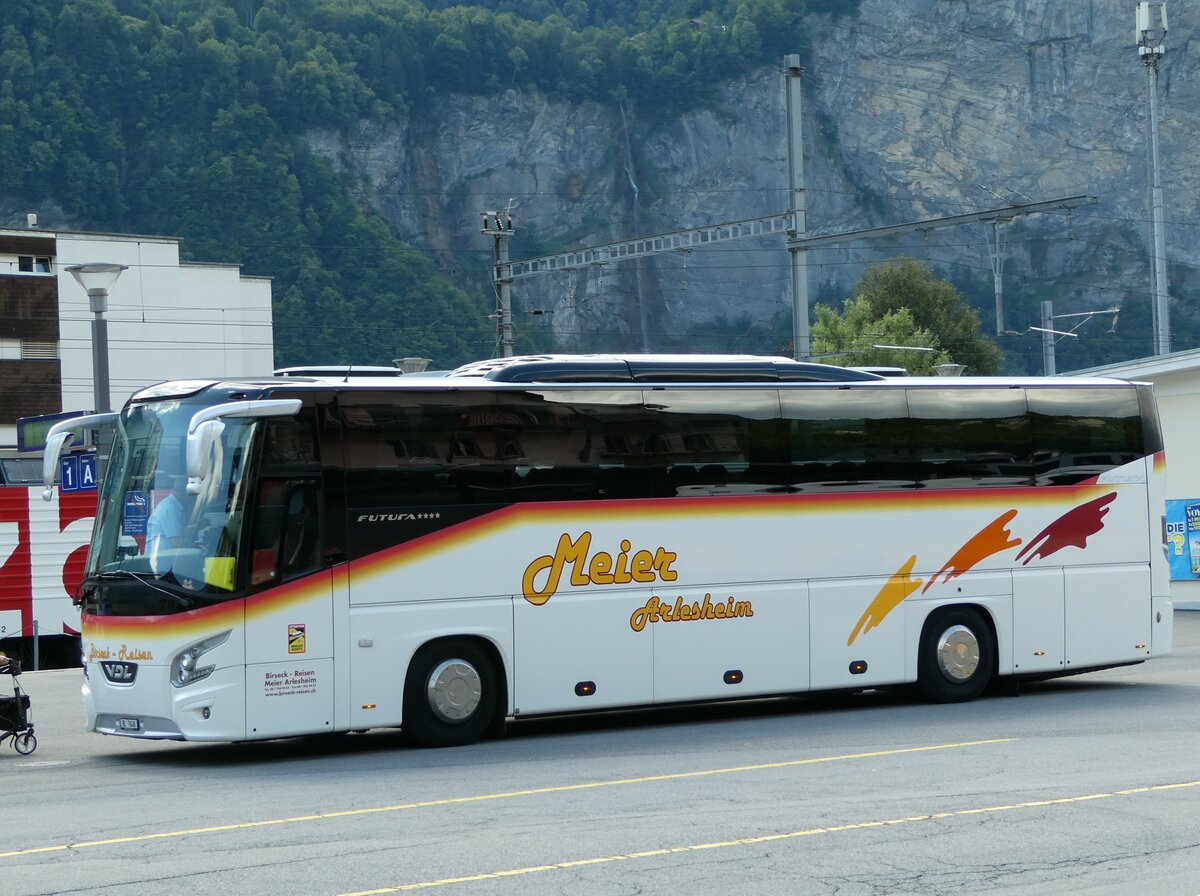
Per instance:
(150,528)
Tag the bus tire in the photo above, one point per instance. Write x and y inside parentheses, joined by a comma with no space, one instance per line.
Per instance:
(450,694)
(957,657)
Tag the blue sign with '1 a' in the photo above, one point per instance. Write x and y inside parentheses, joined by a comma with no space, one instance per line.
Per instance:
(77,472)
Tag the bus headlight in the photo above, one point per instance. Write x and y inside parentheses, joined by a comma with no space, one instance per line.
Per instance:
(186,668)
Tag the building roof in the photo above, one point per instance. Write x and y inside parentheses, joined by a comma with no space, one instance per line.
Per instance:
(1158,365)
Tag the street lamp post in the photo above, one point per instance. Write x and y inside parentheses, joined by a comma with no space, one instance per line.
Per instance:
(97,279)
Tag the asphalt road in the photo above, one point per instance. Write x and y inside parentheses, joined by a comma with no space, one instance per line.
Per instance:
(1084,785)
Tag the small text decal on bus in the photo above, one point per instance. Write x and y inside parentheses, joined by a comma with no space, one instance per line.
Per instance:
(125,652)
(601,569)
(657,610)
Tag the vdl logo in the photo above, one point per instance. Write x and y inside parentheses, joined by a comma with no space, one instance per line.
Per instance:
(119,672)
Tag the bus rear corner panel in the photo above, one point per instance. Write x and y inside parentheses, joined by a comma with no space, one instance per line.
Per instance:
(1107,622)
(1162,622)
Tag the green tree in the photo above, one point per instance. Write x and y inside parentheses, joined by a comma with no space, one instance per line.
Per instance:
(851,339)
(936,307)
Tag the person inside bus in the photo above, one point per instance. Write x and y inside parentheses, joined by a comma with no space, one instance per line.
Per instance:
(165,528)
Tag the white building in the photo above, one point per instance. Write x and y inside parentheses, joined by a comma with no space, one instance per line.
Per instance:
(1176,379)
(166,320)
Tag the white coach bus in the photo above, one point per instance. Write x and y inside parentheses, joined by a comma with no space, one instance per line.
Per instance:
(554,534)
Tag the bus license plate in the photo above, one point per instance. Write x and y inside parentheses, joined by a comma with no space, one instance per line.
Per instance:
(129,724)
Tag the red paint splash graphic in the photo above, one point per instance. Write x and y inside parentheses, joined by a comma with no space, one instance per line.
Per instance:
(1072,529)
(991,539)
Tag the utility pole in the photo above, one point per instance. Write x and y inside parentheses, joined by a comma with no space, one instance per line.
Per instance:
(801,346)
(499,226)
(1150,31)
(1047,328)
(996,251)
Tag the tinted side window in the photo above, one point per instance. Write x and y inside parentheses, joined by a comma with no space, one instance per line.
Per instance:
(1079,433)
(848,438)
(290,443)
(713,441)
(411,449)
(967,438)
(570,444)
(1036,436)
(400,448)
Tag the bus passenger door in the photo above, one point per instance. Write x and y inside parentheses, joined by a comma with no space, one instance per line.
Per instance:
(289,625)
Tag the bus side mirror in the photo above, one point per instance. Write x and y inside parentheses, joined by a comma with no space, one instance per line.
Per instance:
(56,441)
(200,444)
(206,428)
(54,447)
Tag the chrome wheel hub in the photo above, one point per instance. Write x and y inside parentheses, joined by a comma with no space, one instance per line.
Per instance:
(454,690)
(958,653)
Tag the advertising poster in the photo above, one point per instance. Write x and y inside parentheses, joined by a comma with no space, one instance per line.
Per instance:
(1183,539)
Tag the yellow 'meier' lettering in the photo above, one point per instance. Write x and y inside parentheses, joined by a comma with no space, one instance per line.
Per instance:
(600,568)
(567,552)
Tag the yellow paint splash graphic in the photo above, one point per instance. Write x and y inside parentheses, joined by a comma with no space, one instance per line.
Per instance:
(890,596)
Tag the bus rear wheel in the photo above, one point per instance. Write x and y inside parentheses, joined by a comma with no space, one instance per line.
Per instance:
(450,694)
(957,656)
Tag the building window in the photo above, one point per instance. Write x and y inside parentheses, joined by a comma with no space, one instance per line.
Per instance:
(33,264)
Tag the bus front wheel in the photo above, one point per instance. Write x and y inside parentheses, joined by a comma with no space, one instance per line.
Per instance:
(449,695)
(957,656)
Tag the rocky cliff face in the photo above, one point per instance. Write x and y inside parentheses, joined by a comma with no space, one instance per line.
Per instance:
(914,109)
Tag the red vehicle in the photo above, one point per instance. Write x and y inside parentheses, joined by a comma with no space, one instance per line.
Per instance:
(43,546)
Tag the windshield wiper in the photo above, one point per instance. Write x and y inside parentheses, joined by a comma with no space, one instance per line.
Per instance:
(183,601)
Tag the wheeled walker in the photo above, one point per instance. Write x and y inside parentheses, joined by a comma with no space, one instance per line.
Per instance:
(16,719)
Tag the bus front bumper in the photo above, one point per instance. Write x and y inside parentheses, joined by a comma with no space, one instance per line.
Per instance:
(151,709)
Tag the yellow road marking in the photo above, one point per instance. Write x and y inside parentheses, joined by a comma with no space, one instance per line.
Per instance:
(479,798)
(767,838)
